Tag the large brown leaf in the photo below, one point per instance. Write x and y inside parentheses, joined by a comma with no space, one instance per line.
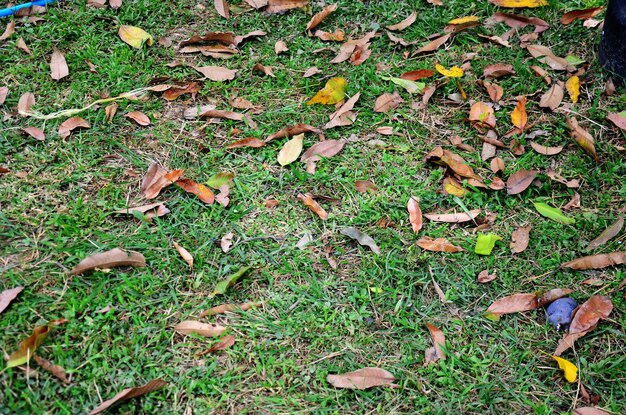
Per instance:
(129,393)
(7,296)
(481,113)
(434,44)
(415,214)
(608,234)
(58,65)
(552,98)
(201,191)
(326,148)
(156,179)
(438,245)
(365,378)
(342,116)
(361,238)
(188,327)
(216,73)
(404,23)
(439,341)
(520,180)
(597,261)
(320,16)
(569,17)
(619,119)
(109,259)
(139,117)
(520,238)
(387,102)
(69,125)
(545,55)
(281,6)
(236,116)
(222,8)
(593,310)
(513,304)
(453,217)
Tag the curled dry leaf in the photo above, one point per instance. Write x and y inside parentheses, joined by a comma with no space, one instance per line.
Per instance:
(498,70)
(216,73)
(57,371)
(415,214)
(309,202)
(496,164)
(230,115)
(280,47)
(152,210)
(453,217)
(387,102)
(129,393)
(10,29)
(520,180)
(109,259)
(342,117)
(135,36)
(227,242)
(484,276)
(516,21)
(313,70)
(569,17)
(247,142)
(139,117)
(293,130)
(188,327)
(608,234)
(546,151)
(337,36)
(434,44)
(593,310)
(291,150)
(184,254)
(7,296)
(597,261)
(264,69)
(58,65)
(361,238)
(221,6)
(404,23)
(545,298)
(201,191)
(439,342)
(365,378)
(582,137)
(27,347)
(552,99)
(520,239)
(229,308)
(320,16)
(482,113)
(545,55)
(438,245)
(70,125)
(35,132)
(156,179)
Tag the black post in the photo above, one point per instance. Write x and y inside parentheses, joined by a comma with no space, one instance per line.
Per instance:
(613,43)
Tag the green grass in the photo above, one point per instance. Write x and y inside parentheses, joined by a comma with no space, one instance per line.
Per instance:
(370,311)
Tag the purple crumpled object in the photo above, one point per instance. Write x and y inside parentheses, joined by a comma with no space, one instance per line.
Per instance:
(560,312)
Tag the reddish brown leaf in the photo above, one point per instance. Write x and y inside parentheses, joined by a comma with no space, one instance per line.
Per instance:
(520,239)
(453,217)
(569,17)
(247,142)
(438,245)
(177,90)
(264,69)
(343,116)
(434,45)
(216,73)
(58,65)
(546,151)
(139,117)
(7,296)
(513,304)
(57,371)
(313,70)
(387,102)
(597,261)
(495,91)
(497,165)
(309,202)
(365,378)
(593,310)
(439,342)
(589,410)
(404,23)
(70,124)
(129,393)
(21,44)
(520,180)
(337,36)
(281,6)
(484,276)
(498,70)
(201,191)
(293,130)
(229,115)
(608,234)
(157,178)
(320,16)
(35,132)
(415,214)
(618,119)
(417,75)
(545,298)
(152,210)
(27,100)
(228,308)
(482,113)
(518,21)
(109,259)
(223,344)
(552,98)
(4,91)
(222,8)
(8,31)
(326,148)
(363,186)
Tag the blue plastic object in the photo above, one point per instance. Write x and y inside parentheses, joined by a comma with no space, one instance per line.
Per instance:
(560,312)
(13,9)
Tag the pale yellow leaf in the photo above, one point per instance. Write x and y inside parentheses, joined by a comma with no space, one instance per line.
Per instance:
(291,150)
(135,36)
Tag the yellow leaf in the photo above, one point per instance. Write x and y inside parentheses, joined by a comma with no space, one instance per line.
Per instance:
(465,19)
(519,118)
(454,72)
(333,92)
(573,88)
(519,3)
(135,36)
(291,150)
(570,370)
(453,187)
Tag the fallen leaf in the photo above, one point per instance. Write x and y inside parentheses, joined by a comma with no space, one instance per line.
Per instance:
(333,92)
(486,243)
(223,344)
(519,181)
(313,70)
(497,165)
(281,6)
(453,72)
(229,308)
(439,342)
(589,410)
(438,245)
(453,217)
(184,254)
(7,296)
(27,100)
(109,112)
(8,31)
(512,304)
(520,239)
(336,36)
(434,44)
(220,179)
(326,148)
(608,234)
(4,91)
(552,99)
(569,17)
(156,179)
(404,23)
(546,151)
(365,378)
(570,371)
(109,259)
(361,238)
(291,150)
(229,115)
(150,211)
(216,73)
(453,187)
(482,113)
(227,242)
(619,119)
(115,4)
(201,191)
(129,393)
(417,75)
(484,276)
(590,313)
(264,69)
(257,4)
(35,132)
(135,36)
(341,116)
(498,70)
(547,297)
(597,261)
(553,213)
(188,327)
(222,197)
(519,118)
(58,65)
(293,130)
(415,214)
(280,47)
(70,125)
(320,16)
(222,8)
(229,281)
(573,88)
(139,117)
(582,137)
(57,371)
(519,3)
(387,102)
(307,199)
(495,91)
(363,186)
(545,55)
(27,347)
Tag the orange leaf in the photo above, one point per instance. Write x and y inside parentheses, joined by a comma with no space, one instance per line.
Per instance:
(129,393)
(415,214)
(518,116)
(201,191)
(438,245)
(482,113)
(309,202)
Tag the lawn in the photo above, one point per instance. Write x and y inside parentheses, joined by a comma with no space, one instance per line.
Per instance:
(328,304)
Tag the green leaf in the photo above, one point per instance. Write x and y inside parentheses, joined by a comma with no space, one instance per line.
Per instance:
(411,87)
(218,180)
(226,283)
(485,243)
(553,213)
(574,60)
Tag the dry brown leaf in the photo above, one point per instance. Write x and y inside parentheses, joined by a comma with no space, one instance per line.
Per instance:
(404,23)
(517,21)
(281,6)
(498,70)
(320,16)
(58,65)
(7,296)
(582,137)
(484,276)
(546,151)
(438,245)
(280,47)
(417,75)
(311,71)
(520,239)
(129,393)
(21,44)
(434,45)
(216,73)
(70,124)
(496,165)
(552,99)
(8,31)
(520,180)
(495,91)
(27,100)
(415,214)
(35,132)
(597,261)
(513,304)
(342,117)
(435,2)
(109,259)
(590,410)
(188,327)
(363,186)
(201,191)
(293,130)
(223,344)
(222,197)
(257,4)
(110,111)
(608,234)
(481,113)
(439,342)
(569,17)
(337,36)
(326,148)
(115,4)
(519,118)
(387,102)
(235,116)
(545,55)
(57,371)
(365,378)
(4,91)
(590,312)
(453,217)
(247,142)
(184,254)
(618,119)
(151,211)
(266,70)
(309,202)
(222,8)
(545,298)
(157,178)
(139,117)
